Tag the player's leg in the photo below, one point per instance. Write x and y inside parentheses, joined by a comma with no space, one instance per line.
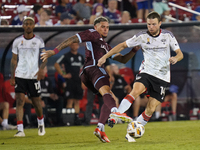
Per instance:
(20,100)
(173,105)
(34,91)
(4,107)
(125,104)
(151,107)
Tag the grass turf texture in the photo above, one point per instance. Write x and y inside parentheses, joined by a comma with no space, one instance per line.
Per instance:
(179,135)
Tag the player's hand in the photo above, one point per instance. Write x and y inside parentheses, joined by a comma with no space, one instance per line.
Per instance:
(172,60)
(12,81)
(39,74)
(68,75)
(101,61)
(46,54)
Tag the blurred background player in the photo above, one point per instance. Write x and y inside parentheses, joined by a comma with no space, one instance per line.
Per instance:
(72,62)
(4,108)
(25,74)
(50,99)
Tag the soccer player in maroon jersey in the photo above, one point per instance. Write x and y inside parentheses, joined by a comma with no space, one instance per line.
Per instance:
(94,77)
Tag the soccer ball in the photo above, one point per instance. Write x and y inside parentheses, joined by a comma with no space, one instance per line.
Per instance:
(135,129)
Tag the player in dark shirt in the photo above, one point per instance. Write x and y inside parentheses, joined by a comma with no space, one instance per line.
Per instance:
(72,63)
(94,77)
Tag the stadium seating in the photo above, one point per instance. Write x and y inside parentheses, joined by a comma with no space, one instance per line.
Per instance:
(127,74)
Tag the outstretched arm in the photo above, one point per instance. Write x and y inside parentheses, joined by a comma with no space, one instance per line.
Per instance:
(174,59)
(125,58)
(113,51)
(64,44)
(13,66)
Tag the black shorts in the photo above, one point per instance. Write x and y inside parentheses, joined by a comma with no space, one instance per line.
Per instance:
(94,78)
(73,90)
(31,87)
(155,87)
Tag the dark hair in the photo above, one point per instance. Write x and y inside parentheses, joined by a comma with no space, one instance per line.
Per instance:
(153,15)
(36,7)
(100,19)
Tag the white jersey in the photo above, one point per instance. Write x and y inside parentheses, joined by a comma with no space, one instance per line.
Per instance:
(28,51)
(156,51)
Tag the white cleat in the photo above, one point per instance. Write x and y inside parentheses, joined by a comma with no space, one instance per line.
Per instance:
(19,134)
(129,138)
(41,130)
(9,127)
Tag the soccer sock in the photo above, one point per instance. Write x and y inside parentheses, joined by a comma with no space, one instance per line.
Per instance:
(157,114)
(109,101)
(40,120)
(20,126)
(105,112)
(4,122)
(101,127)
(126,103)
(143,118)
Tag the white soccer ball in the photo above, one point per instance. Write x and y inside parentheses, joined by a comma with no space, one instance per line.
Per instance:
(135,129)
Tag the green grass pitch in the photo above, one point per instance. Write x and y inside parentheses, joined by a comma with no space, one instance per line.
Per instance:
(178,135)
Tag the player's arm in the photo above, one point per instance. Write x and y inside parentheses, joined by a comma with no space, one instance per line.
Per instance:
(13,66)
(125,58)
(40,72)
(113,51)
(174,59)
(64,44)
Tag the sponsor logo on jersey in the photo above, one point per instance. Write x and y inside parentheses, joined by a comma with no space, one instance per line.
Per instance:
(148,41)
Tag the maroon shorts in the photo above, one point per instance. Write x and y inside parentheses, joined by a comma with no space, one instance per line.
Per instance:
(94,78)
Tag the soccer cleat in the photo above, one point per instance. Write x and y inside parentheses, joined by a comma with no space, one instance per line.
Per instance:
(101,135)
(115,116)
(129,138)
(9,127)
(41,130)
(19,134)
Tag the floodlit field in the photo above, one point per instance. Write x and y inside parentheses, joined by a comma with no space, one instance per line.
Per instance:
(179,135)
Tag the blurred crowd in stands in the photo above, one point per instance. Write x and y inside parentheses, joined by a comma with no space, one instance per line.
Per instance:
(65,12)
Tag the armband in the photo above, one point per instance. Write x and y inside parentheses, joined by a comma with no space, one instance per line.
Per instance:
(56,50)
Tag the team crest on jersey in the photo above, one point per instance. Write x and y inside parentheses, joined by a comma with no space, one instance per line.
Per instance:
(148,41)
(33,43)
(163,40)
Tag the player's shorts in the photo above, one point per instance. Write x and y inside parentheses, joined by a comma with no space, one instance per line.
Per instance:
(31,87)
(145,5)
(73,90)
(155,87)
(94,78)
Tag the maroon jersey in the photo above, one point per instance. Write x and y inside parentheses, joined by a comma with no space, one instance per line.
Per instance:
(95,47)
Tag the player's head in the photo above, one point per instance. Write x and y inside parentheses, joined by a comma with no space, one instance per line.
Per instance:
(28,25)
(153,23)
(101,25)
(114,69)
(74,47)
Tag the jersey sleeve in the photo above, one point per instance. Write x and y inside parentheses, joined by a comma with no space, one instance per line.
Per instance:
(88,35)
(173,42)
(42,44)
(14,47)
(134,41)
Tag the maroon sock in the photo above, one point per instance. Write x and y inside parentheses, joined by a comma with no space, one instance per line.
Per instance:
(105,112)
(109,101)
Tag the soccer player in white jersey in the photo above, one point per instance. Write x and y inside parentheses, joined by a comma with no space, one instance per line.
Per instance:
(155,75)
(25,74)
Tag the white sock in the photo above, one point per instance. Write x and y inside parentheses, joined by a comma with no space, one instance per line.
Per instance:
(20,127)
(157,114)
(142,120)
(4,122)
(124,106)
(114,109)
(40,121)
(101,127)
